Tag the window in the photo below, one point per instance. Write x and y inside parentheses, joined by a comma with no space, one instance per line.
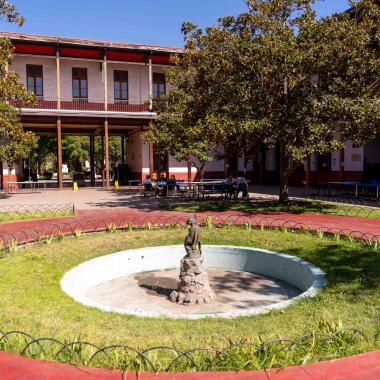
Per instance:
(159,85)
(120,85)
(324,162)
(80,83)
(34,78)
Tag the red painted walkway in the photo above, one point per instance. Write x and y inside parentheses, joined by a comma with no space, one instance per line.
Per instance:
(86,221)
(361,367)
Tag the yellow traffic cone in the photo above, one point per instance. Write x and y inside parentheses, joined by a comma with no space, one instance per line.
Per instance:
(116,186)
(75,186)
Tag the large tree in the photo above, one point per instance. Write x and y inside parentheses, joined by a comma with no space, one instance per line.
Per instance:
(279,75)
(15,143)
(181,129)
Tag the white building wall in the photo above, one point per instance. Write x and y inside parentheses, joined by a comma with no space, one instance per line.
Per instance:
(145,155)
(353,158)
(19,63)
(94,78)
(134,152)
(138,81)
(335,161)
(138,77)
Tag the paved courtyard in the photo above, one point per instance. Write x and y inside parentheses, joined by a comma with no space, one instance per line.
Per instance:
(95,198)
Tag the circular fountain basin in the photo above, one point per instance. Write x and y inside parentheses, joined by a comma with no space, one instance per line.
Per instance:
(247,281)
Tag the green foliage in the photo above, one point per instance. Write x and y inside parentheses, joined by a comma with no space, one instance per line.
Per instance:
(207,222)
(277,74)
(9,13)
(13,246)
(76,150)
(111,228)
(15,143)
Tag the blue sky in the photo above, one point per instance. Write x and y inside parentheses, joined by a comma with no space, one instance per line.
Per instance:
(135,21)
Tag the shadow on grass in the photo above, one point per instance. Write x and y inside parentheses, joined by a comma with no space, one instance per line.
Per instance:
(294,207)
(345,264)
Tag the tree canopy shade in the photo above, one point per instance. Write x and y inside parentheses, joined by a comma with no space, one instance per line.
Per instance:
(15,143)
(276,75)
(9,13)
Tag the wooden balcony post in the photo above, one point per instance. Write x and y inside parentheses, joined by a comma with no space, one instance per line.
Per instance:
(59,154)
(58,63)
(189,177)
(151,160)
(341,165)
(92,160)
(122,149)
(106,154)
(103,159)
(150,84)
(105,77)
(308,171)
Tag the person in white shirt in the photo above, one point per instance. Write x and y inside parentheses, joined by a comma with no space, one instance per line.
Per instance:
(241,186)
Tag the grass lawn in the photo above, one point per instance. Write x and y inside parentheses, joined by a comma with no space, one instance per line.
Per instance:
(32,301)
(15,216)
(296,207)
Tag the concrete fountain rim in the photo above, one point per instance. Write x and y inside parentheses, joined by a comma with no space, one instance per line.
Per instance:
(316,284)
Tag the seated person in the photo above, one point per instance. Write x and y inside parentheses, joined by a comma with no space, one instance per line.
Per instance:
(241,186)
(161,187)
(231,186)
(148,184)
(172,182)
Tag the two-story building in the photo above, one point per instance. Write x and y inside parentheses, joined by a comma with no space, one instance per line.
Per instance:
(100,88)
(92,88)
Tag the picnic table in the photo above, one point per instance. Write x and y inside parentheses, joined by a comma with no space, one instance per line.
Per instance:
(192,189)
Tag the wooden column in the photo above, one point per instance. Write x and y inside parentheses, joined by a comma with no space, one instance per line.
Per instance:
(341,165)
(123,149)
(227,170)
(151,161)
(150,84)
(105,80)
(58,64)
(103,159)
(92,160)
(106,154)
(308,170)
(189,176)
(1,175)
(167,164)
(59,154)
(261,166)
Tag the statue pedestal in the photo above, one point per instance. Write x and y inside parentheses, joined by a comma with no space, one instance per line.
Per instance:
(193,287)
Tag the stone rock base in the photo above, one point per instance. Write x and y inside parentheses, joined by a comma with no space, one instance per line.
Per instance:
(193,287)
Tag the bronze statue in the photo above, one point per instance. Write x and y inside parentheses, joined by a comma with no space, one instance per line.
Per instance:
(193,285)
(193,240)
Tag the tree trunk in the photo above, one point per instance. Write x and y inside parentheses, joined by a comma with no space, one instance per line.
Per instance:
(285,172)
(201,170)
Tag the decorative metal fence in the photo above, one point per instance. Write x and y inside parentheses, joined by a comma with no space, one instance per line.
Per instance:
(124,222)
(249,354)
(35,211)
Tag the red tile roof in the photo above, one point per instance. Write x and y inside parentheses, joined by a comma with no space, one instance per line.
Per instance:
(82,42)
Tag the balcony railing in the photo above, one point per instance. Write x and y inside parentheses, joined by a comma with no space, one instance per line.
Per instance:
(85,104)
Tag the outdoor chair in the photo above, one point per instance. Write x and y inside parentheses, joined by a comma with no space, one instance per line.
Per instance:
(147,189)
